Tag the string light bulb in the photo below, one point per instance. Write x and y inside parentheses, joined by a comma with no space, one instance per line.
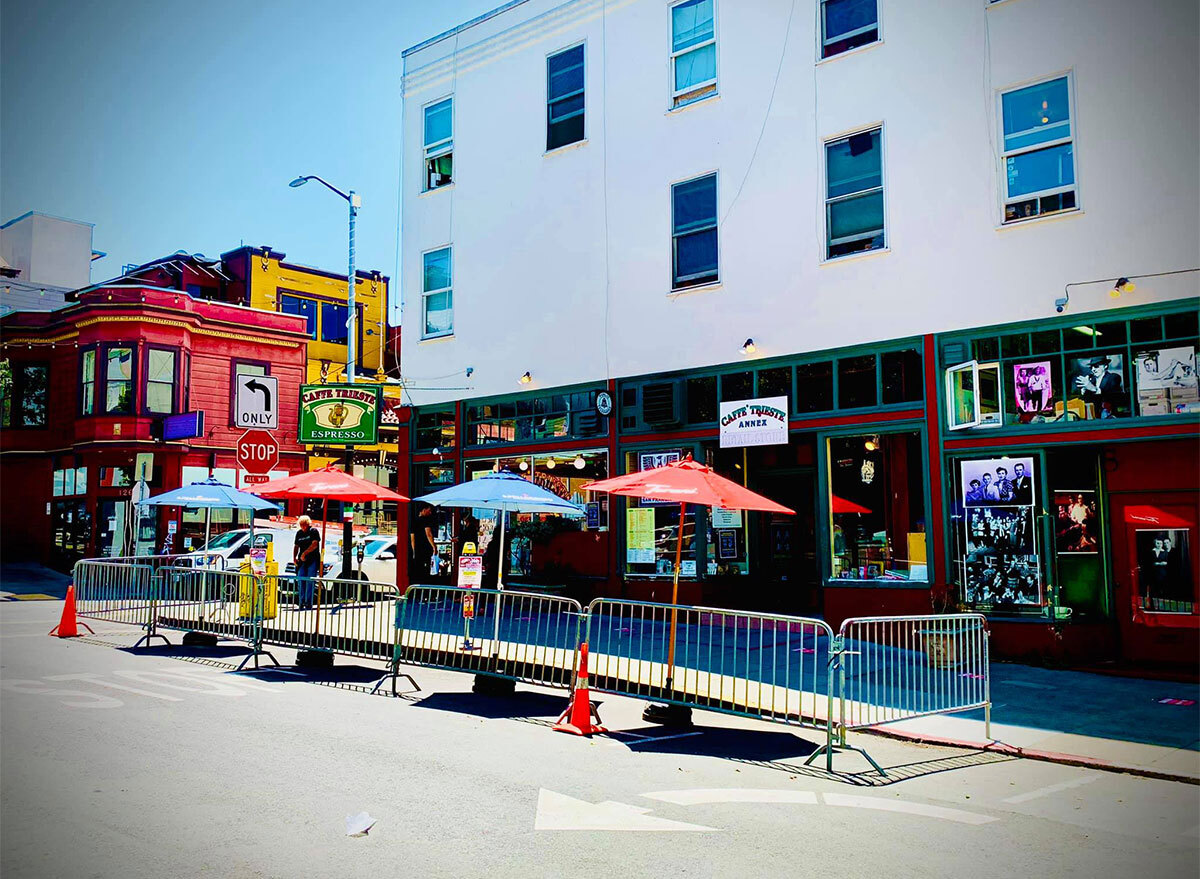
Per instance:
(579,462)
(551,464)
(523,466)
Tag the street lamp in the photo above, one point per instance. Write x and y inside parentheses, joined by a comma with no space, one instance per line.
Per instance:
(355,202)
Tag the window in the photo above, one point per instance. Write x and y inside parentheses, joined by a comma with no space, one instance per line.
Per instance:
(693,52)
(549,416)
(439,144)
(814,386)
(847,24)
(702,399)
(118,381)
(856,382)
(854,194)
(652,526)
(694,232)
(87,382)
(437,295)
(877,507)
(1038,150)
(973,395)
(307,308)
(23,397)
(434,430)
(240,368)
(564,98)
(737,386)
(901,374)
(160,381)
(775,382)
(334,320)
(70,481)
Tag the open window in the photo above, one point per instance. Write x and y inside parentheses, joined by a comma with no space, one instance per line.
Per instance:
(439,144)
(973,395)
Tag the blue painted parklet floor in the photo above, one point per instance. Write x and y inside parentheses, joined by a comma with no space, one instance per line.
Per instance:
(1124,709)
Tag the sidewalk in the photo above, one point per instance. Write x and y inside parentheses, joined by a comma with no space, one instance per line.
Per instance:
(1079,717)
(25,581)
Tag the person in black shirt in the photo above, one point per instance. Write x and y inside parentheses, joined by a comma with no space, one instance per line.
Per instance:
(306,553)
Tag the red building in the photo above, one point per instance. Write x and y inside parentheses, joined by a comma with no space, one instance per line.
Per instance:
(87,391)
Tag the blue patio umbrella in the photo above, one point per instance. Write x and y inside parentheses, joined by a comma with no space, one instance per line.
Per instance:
(507,492)
(208,495)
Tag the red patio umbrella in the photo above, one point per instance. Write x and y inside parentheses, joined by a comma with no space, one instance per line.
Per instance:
(688,482)
(841,505)
(328,483)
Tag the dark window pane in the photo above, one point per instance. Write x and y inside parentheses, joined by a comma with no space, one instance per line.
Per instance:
(33,381)
(1145,329)
(567,131)
(333,323)
(694,204)
(902,376)
(304,307)
(1078,338)
(737,386)
(814,386)
(1015,346)
(775,382)
(702,399)
(565,72)
(696,258)
(1113,333)
(856,382)
(1182,325)
(985,350)
(1045,342)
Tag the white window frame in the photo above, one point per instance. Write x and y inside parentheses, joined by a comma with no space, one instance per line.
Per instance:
(438,148)
(582,91)
(425,294)
(716,224)
(823,41)
(1005,199)
(825,255)
(679,97)
(980,418)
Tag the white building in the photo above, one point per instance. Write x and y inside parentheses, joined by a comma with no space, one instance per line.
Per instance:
(561,260)
(42,258)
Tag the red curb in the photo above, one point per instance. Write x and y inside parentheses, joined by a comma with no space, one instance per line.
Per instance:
(998,747)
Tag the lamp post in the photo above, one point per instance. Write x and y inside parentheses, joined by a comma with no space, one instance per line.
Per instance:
(355,202)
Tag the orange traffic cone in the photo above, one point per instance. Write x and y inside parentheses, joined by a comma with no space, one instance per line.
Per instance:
(580,710)
(68,627)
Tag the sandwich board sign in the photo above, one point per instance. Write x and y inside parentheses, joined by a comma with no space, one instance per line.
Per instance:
(256,402)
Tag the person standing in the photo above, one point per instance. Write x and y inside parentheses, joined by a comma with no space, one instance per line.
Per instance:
(423,544)
(306,554)
(1022,487)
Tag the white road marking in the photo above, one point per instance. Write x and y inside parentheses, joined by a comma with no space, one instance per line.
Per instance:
(733,795)
(37,689)
(1051,789)
(560,812)
(100,682)
(185,682)
(852,801)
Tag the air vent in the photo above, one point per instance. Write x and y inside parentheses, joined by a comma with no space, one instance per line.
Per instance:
(587,423)
(954,353)
(660,404)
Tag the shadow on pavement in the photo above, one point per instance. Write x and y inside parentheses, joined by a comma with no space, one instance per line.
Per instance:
(178,651)
(520,706)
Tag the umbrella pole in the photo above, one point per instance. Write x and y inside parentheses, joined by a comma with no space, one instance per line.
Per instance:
(204,576)
(499,584)
(675,596)
(321,558)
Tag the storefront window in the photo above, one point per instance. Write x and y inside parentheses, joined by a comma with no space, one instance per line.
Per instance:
(1079,534)
(775,382)
(737,386)
(877,507)
(1164,568)
(702,399)
(814,386)
(535,418)
(652,526)
(69,481)
(1083,371)
(434,429)
(728,550)
(856,382)
(996,556)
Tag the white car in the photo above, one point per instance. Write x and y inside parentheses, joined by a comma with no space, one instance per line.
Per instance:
(378,563)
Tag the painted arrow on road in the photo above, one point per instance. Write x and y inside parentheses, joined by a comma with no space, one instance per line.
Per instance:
(706,796)
(560,812)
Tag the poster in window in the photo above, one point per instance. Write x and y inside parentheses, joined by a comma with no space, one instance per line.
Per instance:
(1100,382)
(727,543)
(998,580)
(997,482)
(1076,523)
(639,536)
(1033,387)
(1165,569)
(1166,381)
(651,460)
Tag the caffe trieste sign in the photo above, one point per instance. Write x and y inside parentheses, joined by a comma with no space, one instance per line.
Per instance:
(754,422)
(339,414)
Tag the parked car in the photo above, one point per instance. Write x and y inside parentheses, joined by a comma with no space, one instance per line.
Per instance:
(378,564)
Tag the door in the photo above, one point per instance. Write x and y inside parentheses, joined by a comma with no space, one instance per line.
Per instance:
(114,535)
(787,545)
(71,527)
(1156,568)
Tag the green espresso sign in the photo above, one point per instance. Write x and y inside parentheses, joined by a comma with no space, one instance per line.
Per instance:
(339,414)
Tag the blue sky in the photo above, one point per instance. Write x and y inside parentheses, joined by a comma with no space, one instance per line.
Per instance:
(172,124)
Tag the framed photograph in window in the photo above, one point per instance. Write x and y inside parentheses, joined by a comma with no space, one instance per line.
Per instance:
(1033,387)
(998,482)
(1100,382)
(1076,523)
(1164,563)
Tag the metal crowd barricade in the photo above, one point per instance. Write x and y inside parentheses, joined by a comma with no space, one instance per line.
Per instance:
(114,591)
(528,637)
(351,617)
(899,667)
(768,666)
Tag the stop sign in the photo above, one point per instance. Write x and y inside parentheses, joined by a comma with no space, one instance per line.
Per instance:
(257,452)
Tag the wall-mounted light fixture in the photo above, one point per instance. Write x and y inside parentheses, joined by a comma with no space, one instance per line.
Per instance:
(748,347)
(871,444)
(1123,285)
(526,378)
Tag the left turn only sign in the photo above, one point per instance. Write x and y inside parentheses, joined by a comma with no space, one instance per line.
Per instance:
(256,402)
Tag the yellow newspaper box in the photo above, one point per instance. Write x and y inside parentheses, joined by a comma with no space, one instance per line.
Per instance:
(260,565)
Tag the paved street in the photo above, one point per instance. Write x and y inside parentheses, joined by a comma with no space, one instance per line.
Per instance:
(116,764)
